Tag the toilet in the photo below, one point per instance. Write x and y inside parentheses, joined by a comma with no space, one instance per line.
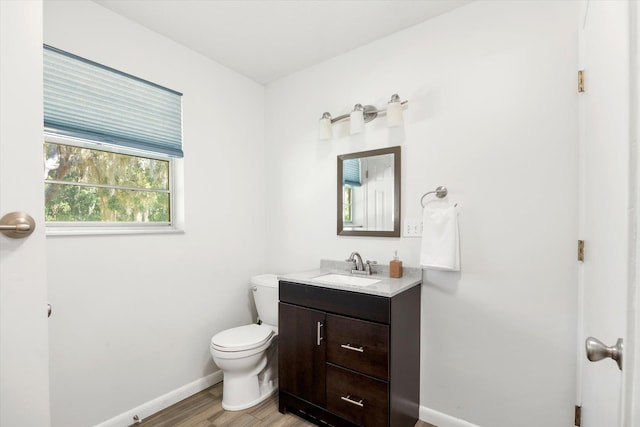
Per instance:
(248,355)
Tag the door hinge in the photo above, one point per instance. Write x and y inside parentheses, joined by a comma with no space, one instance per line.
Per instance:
(580,81)
(580,250)
(577,419)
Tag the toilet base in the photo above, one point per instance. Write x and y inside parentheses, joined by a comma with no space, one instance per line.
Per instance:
(241,391)
(237,406)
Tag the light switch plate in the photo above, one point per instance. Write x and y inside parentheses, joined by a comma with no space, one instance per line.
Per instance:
(412,227)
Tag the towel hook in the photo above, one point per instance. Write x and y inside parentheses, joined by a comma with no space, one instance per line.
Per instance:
(440,192)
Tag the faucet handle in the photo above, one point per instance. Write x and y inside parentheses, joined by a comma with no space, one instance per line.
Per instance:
(368,265)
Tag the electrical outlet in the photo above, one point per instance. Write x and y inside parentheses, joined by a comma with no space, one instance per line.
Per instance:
(412,227)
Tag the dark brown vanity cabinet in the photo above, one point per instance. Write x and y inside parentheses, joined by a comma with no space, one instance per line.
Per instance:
(349,358)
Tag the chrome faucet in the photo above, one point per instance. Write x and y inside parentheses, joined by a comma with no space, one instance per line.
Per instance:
(359,267)
(356,259)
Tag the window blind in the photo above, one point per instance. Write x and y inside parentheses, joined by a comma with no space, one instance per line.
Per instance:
(351,172)
(88,100)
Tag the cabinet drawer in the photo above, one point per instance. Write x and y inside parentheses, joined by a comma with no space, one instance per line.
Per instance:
(347,303)
(360,399)
(359,345)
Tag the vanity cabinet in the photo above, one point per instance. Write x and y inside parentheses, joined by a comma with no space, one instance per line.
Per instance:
(349,358)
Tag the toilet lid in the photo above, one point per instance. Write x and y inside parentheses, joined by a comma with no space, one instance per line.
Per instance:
(241,338)
(270,280)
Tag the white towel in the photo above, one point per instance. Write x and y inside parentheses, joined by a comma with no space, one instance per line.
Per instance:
(440,239)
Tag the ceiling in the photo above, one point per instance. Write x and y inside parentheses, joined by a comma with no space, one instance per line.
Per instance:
(268,39)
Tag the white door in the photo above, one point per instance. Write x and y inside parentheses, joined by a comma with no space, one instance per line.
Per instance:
(605,201)
(24,374)
(379,183)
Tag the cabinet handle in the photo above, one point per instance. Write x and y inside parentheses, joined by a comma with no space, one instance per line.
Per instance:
(353,402)
(349,347)
(319,333)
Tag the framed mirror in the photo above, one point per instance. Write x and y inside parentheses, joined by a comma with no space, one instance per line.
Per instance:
(369,193)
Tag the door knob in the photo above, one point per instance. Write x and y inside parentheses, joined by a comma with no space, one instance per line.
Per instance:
(17,225)
(596,350)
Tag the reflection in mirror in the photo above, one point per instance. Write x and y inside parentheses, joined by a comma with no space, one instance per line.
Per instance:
(369,193)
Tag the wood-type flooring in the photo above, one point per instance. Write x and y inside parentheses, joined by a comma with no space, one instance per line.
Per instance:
(204,409)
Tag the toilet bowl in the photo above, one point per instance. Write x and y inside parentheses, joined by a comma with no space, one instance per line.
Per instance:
(247,355)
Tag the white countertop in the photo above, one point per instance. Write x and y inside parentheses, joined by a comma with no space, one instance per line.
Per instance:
(386,287)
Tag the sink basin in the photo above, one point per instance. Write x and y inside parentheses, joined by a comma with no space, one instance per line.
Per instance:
(341,279)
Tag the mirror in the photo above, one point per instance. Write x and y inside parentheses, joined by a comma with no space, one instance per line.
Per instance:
(369,193)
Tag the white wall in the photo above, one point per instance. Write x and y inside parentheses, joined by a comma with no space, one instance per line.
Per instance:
(493,116)
(133,315)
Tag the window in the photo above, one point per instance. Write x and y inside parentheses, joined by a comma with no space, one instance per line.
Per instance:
(90,185)
(111,140)
(351,177)
(347,204)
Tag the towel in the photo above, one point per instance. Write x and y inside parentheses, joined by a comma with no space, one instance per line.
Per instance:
(440,239)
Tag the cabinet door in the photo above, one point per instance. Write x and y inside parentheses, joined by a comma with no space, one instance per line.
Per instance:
(301,352)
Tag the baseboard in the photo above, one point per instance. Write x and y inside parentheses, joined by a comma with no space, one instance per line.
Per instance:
(162,402)
(439,419)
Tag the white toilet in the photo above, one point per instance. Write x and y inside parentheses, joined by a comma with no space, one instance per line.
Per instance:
(248,355)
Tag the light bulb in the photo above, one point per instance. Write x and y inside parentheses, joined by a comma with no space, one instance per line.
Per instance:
(394,112)
(325,130)
(357,119)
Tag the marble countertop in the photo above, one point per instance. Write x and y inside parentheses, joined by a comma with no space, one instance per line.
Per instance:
(386,287)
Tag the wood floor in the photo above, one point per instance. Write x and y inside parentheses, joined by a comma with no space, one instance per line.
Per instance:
(204,410)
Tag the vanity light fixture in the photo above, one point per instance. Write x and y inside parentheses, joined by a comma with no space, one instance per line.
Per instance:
(362,114)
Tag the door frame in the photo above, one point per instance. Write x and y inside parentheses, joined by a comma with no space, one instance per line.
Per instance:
(631,358)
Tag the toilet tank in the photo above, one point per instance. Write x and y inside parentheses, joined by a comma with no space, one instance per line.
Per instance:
(265,295)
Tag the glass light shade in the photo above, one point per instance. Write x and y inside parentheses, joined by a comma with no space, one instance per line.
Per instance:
(357,121)
(325,130)
(394,114)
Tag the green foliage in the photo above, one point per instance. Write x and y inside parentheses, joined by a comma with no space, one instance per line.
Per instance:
(347,205)
(83,184)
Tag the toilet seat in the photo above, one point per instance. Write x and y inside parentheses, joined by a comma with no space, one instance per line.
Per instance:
(241,338)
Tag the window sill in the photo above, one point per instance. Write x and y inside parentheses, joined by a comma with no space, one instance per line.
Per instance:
(99,231)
